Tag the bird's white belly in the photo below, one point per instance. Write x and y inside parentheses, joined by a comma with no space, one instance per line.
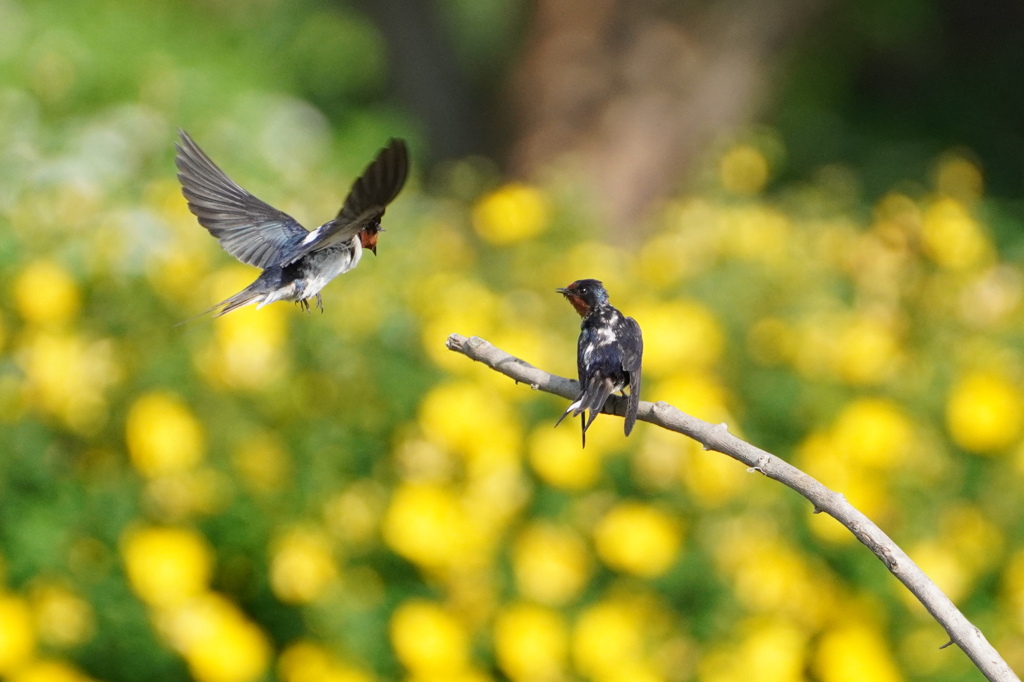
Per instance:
(325,265)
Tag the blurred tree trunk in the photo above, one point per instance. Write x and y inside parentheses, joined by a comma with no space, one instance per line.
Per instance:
(636,90)
(427,77)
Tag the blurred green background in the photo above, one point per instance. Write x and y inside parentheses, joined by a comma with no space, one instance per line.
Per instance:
(813,212)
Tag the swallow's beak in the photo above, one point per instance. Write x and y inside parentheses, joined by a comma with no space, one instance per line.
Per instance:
(563,291)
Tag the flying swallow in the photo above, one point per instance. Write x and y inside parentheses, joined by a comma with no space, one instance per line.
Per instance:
(608,354)
(296,263)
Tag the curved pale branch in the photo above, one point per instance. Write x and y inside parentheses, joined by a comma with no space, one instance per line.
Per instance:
(717,437)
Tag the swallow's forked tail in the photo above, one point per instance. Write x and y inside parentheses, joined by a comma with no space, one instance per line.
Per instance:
(592,398)
(254,293)
(251,294)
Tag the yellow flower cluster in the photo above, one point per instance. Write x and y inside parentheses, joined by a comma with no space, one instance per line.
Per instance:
(170,570)
(511,214)
(869,439)
(166,445)
(66,374)
(305,661)
(984,411)
(52,615)
(302,568)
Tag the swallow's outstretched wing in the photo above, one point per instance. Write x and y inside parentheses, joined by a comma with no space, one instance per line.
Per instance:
(252,231)
(372,191)
(632,354)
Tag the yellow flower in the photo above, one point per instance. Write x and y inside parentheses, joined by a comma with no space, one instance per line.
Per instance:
(638,539)
(551,563)
(773,651)
(664,260)
(250,346)
(700,394)
(511,214)
(474,422)
(710,478)
(983,413)
(770,577)
(977,540)
(216,639)
(17,636)
(451,303)
(558,458)
(531,642)
(67,376)
(743,170)
(305,661)
(758,234)
(677,335)
(853,652)
(428,640)
(874,432)
(608,636)
(766,651)
(48,671)
(45,293)
(167,566)
(952,237)
(302,567)
(944,565)
(832,463)
(866,351)
(163,435)
(427,525)
(62,618)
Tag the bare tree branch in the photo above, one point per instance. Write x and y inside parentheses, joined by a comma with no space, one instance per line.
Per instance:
(717,437)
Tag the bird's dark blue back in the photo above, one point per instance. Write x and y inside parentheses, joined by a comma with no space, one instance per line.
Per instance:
(599,351)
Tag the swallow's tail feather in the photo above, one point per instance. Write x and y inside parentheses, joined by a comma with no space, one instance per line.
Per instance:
(570,410)
(595,393)
(253,293)
(592,398)
(632,406)
(242,298)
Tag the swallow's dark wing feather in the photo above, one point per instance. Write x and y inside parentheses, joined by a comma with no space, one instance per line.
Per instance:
(250,230)
(632,354)
(596,382)
(372,191)
(379,184)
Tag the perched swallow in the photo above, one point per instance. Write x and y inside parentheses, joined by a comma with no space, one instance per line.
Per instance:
(296,263)
(607,356)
